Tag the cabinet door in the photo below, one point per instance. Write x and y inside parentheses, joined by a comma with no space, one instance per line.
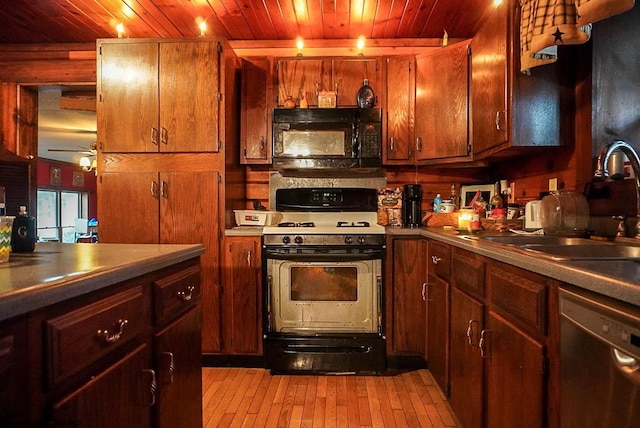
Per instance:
(242,293)
(437,296)
(515,376)
(489,81)
(442,103)
(409,282)
(348,77)
(13,373)
(303,76)
(128,207)
(121,396)
(400,100)
(179,368)
(189,215)
(466,375)
(189,97)
(255,135)
(128,77)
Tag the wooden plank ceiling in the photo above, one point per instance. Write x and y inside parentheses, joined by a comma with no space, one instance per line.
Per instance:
(80,21)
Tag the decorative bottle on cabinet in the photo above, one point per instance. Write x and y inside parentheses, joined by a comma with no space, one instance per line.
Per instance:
(23,234)
(366,98)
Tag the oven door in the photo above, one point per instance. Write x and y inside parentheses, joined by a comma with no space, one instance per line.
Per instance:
(321,293)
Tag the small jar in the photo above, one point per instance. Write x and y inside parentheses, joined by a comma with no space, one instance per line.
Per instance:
(447,206)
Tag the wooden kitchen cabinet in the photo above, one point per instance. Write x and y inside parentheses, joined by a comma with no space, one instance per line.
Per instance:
(511,110)
(172,92)
(442,105)
(298,76)
(255,118)
(242,295)
(13,372)
(437,298)
(399,148)
(406,311)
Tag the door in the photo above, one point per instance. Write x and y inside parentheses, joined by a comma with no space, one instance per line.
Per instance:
(466,365)
(515,376)
(189,97)
(128,205)
(408,313)
(242,295)
(442,103)
(400,100)
(128,76)
(179,370)
(437,296)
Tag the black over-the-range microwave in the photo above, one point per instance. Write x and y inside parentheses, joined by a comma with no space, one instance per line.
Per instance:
(327,138)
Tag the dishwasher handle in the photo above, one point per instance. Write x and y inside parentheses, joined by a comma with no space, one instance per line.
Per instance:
(628,365)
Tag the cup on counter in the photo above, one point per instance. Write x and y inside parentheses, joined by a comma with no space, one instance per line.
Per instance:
(6,223)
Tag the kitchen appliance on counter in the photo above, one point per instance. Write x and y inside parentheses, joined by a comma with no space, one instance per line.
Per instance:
(599,362)
(564,213)
(532,219)
(323,283)
(412,205)
(327,138)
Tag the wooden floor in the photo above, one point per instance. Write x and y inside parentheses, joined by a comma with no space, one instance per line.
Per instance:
(240,397)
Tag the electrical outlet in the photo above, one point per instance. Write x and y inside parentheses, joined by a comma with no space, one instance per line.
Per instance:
(553,184)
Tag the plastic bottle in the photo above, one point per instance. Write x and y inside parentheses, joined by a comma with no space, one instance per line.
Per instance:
(436,203)
(23,235)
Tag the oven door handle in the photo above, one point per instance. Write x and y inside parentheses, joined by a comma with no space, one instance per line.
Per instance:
(325,257)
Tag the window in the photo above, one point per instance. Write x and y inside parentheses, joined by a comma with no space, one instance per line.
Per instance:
(57,214)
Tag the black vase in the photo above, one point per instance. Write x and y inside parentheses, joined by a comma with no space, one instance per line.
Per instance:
(366,98)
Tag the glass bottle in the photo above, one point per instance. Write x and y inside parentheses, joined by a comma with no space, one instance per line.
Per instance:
(366,98)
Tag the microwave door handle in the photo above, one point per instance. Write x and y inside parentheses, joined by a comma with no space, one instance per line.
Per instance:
(355,148)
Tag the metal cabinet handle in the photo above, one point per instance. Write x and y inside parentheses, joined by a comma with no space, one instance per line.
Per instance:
(111,337)
(171,366)
(391,145)
(436,259)
(186,295)
(424,292)
(154,189)
(154,136)
(419,144)
(498,121)
(164,189)
(153,386)
(470,332)
(249,258)
(482,344)
(164,135)
(262,143)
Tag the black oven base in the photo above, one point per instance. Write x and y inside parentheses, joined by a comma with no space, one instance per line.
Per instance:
(325,354)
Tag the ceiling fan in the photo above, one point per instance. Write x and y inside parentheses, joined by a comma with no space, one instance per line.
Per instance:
(87,151)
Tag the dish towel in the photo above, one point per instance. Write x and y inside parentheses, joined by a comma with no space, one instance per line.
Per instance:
(545,24)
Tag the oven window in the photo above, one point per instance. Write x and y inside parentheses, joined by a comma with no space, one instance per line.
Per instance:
(324,283)
(313,143)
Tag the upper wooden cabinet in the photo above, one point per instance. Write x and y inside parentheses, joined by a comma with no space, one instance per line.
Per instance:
(301,76)
(171,91)
(255,123)
(400,97)
(442,105)
(512,110)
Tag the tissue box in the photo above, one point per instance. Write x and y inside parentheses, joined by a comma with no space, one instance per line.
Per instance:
(253,217)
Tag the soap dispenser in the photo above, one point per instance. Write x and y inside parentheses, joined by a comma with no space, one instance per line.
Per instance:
(23,235)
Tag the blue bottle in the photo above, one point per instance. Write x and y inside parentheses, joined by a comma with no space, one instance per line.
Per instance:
(436,203)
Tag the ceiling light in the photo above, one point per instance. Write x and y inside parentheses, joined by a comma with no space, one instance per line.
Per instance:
(120,30)
(360,44)
(300,45)
(203,28)
(497,2)
(89,165)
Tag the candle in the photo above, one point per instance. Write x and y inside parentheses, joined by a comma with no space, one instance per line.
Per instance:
(465,218)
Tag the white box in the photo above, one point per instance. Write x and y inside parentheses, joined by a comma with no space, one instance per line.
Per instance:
(253,217)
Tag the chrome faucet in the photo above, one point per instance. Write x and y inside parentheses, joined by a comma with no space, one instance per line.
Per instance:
(602,171)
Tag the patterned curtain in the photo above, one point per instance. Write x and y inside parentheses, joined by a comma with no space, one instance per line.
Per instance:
(545,24)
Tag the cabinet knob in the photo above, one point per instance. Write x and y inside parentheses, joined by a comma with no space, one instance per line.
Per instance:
(187,294)
(111,337)
(435,260)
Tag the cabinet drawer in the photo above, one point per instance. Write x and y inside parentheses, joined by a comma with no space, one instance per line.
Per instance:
(175,293)
(82,336)
(440,259)
(469,273)
(519,295)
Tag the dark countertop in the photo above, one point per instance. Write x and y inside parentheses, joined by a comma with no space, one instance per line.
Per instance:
(618,279)
(55,272)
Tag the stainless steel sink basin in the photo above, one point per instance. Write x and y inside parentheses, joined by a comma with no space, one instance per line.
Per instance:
(520,240)
(586,252)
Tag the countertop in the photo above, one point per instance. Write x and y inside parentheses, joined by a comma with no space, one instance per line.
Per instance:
(55,272)
(618,279)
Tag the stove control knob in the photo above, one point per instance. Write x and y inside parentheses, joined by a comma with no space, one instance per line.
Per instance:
(298,239)
(361,240)
(286,240)
(348,240)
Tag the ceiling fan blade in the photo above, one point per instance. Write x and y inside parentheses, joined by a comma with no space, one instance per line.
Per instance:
(68,130)
(85,152)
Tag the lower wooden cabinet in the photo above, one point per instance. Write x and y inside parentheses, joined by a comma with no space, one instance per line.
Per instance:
(242,296)
(437,349)
(125,356)
(406,291)
(13,372)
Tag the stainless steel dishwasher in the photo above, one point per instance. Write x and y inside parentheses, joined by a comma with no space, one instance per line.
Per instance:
(599,362)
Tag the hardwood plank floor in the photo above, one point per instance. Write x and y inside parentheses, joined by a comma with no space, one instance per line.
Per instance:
(252,397)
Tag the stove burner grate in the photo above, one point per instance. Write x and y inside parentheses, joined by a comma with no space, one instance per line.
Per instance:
(352,224)
(294,224)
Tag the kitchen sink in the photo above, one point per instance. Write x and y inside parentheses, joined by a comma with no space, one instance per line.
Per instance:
(519,240)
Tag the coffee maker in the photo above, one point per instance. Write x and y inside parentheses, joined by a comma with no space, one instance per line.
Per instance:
(411,204)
